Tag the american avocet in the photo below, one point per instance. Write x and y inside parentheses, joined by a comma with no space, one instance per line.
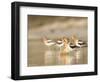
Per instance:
(48,42)
(77,42)
(59,43)
(67,45)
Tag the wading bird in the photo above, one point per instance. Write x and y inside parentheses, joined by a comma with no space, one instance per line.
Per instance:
(59,43)
(67,45)
(48,42)
(77,42)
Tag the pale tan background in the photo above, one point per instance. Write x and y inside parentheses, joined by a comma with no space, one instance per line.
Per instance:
(55,27)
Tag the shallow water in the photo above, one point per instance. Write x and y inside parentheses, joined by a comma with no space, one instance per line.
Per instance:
(41,55)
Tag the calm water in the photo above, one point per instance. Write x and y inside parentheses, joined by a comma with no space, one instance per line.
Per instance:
(41,55)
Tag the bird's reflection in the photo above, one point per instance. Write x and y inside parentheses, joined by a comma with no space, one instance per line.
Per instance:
(61,58)
(65,58)
(49,57)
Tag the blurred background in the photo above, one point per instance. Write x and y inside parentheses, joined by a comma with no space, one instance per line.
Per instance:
(55,27)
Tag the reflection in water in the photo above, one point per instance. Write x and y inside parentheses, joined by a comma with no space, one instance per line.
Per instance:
(48,57)
(56,58)
(77,56)
(64,58)
(42,56)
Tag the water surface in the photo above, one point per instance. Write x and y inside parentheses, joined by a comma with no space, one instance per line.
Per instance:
(41,55)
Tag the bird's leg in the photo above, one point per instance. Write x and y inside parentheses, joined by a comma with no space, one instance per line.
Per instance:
(60,50)
(48,48)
